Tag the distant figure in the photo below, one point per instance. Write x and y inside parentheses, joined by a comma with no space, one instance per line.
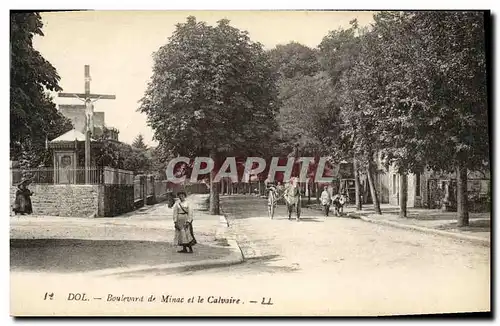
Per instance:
(338,202)
(22,204)
(326,200)
(183,223)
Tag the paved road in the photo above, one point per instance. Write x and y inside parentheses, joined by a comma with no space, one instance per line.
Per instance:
(333,266)
(357,262)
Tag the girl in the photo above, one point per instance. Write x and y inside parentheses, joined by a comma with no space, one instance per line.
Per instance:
(183,223)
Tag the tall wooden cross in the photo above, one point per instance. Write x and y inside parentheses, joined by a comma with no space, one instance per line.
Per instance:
(89,114)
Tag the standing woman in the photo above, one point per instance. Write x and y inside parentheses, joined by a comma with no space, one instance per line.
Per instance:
(22,204)
(183,223)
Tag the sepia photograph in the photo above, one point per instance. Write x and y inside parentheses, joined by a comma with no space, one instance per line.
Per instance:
(250,163)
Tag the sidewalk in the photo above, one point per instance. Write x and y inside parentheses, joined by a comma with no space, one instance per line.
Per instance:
(432,221)
(136,241)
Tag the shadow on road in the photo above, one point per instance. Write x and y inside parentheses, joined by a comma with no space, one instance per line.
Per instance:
(306,219)
(257,265)
(74,255)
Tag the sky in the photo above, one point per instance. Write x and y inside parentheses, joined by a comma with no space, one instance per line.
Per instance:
(118,46)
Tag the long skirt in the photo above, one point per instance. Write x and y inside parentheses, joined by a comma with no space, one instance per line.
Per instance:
(184,235)
(22,204)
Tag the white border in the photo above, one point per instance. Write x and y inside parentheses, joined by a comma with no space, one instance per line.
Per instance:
(183,5)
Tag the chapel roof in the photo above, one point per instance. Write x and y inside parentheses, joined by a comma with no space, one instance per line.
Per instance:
(71,135)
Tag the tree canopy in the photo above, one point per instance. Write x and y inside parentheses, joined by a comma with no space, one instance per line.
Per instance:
(33,115)
(212,89)
(212,92)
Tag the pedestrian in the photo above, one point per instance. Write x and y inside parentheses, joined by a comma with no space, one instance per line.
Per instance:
(183,223)
(22,203)
(326,200)
(338,202)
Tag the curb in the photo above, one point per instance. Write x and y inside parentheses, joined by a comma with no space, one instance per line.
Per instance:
(235,257)
(458,236)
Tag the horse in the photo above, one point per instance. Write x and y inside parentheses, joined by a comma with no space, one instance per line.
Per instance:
(338,202)
(293,198)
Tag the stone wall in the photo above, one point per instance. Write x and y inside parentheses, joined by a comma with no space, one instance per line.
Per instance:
(62,200)
(115,199)
(80,200)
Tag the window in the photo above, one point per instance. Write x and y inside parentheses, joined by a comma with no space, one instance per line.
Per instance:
(417,184)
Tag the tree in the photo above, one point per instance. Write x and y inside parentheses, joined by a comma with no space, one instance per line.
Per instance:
(294,59)
(347,56)
(457,61)
(434,109)
(212,93)
(122,156)
(139,142)
(33,115)
(305,98)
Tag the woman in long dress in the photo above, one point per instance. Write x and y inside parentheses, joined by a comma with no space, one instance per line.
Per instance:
(183,223)
(22,203)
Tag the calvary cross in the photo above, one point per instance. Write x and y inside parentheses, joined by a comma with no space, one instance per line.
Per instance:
(89,108)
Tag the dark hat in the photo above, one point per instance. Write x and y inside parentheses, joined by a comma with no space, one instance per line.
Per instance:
(24,181)
(181,193)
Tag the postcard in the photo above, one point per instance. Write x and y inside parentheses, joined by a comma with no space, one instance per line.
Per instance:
(250,163)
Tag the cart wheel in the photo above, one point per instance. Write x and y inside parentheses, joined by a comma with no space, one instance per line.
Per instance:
(271,205)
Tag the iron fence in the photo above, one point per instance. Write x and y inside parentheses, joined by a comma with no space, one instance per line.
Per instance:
(94,175)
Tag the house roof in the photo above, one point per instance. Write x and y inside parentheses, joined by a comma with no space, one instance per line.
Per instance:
(70,136)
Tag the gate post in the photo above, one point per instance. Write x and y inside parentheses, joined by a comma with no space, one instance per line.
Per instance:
(144,191)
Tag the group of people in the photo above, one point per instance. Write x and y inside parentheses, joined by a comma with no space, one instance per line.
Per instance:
(327,200)
(337,201)
(182,210)
(182,215)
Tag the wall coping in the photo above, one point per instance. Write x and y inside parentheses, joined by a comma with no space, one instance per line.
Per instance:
(60,185)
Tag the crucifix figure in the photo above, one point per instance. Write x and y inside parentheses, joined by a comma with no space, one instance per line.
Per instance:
(89,114)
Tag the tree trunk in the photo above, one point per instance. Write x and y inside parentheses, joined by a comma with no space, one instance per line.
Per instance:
(359,205)
(214,193)
(462,207)
(316,188)
(373,189)
(309,189)
(403,194)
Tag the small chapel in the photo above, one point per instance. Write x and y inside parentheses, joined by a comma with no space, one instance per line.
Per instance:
(69,148)
(72,150)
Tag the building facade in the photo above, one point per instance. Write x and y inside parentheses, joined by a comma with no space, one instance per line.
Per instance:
(76,113)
